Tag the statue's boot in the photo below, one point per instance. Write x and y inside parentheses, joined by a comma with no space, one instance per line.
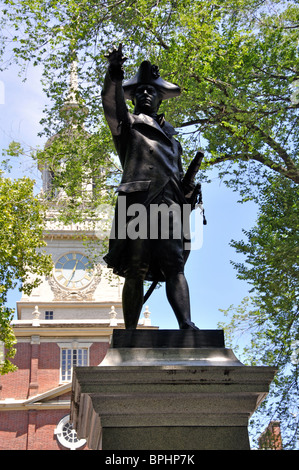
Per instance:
(188,325)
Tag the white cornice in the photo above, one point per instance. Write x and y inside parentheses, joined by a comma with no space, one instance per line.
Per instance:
(69,303)
(64,329)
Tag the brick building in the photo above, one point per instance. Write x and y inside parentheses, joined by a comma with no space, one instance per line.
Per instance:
(35,400)
(271,439)
(61,325)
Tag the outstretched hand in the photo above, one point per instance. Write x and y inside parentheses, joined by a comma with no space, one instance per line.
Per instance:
(115,56)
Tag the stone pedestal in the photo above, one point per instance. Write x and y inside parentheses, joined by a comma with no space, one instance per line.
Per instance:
(167,390)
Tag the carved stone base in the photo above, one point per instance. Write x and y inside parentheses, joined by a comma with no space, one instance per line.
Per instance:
(160,398)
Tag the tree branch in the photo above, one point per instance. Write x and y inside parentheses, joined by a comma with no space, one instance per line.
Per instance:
(193,122)
(294,176)
(291,167)
(154,33)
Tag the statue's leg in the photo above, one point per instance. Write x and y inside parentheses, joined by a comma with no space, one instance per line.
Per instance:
(132,301)
(177,292)
(137,264)
(169,255)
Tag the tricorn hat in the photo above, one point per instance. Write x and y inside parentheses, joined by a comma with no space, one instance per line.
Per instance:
(148,74)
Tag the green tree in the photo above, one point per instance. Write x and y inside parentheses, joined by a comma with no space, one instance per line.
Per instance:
(235,60)
(237,63)
(22,261)
(269,321)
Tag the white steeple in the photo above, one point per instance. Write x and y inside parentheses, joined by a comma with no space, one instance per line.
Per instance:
(72,108)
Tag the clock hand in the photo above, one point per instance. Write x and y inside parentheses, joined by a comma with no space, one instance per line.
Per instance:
(73,272)
(74,269)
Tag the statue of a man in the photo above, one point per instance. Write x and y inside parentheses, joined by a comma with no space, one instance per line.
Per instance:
(152,174)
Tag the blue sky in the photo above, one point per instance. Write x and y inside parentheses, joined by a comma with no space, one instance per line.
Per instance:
(212,279)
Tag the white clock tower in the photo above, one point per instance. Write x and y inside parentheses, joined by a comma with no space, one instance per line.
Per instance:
(77,290)
(80,287)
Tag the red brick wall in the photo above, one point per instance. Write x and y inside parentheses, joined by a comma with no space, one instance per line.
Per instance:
(41,429)
(39,424)
(46,358)
(38,365)
(15,384)
(97,353)
(13,430)
(48,367)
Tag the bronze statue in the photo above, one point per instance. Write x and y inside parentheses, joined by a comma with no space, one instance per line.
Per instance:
(152,175)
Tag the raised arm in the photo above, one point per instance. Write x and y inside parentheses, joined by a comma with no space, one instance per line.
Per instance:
(113,99)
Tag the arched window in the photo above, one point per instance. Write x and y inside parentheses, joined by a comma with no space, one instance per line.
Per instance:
(67,435)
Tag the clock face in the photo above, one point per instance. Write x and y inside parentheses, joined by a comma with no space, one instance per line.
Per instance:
(73,271)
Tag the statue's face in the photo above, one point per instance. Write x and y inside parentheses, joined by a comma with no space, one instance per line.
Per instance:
(147,99)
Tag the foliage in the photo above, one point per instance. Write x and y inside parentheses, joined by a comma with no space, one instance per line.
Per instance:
(7,340)
(81,173)
(268,346)
(22,260)
(270,320)
(235,60)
